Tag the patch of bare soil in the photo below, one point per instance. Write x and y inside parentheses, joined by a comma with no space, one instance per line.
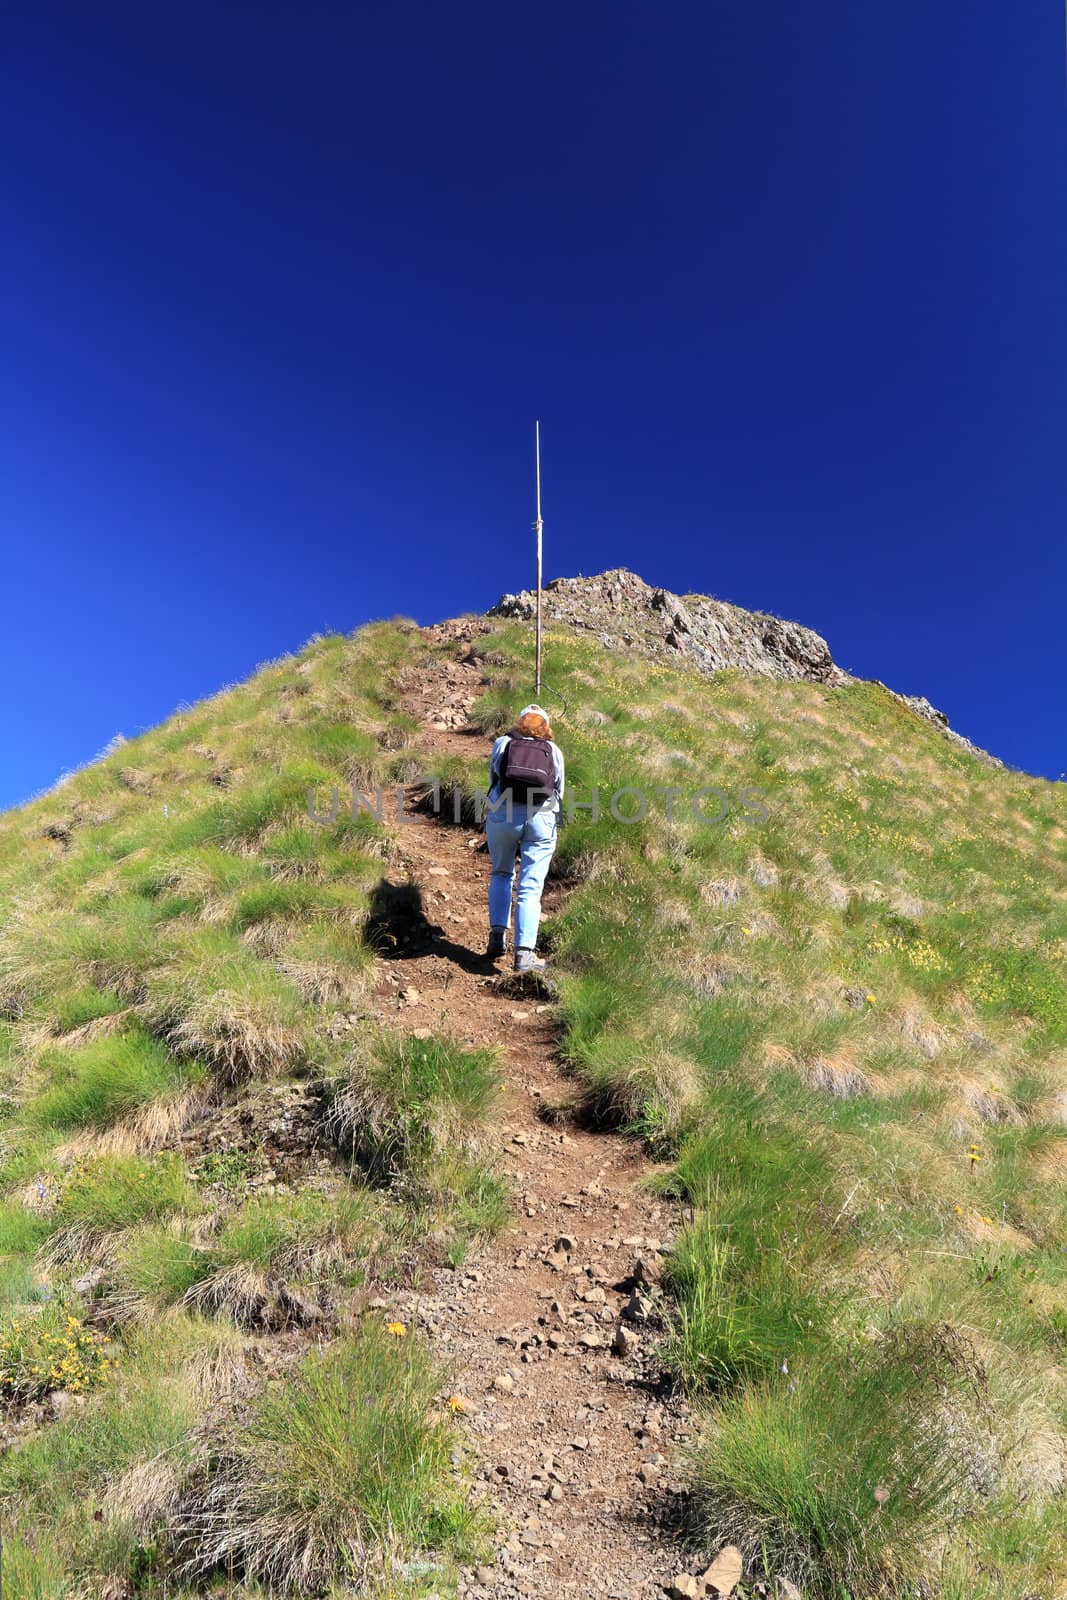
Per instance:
(549,1330)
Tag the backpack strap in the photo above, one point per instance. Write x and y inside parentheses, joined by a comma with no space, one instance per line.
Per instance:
(496,773)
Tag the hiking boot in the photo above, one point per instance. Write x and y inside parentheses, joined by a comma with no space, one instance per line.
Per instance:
(526,961)
(498,942)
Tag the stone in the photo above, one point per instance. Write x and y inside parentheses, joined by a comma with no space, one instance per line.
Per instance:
(297,1309)
(484,1575)
(625,1343)
(683,1587)
(724,1574)
(505,1383)
(637,1309)
(564,1245)
(786,1589)
(646,1271)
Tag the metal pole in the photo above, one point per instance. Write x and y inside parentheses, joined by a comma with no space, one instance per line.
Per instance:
(538,525)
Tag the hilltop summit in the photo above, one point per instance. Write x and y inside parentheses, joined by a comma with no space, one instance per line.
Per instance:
(623,612)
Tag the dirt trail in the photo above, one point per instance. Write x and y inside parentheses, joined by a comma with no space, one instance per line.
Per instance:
(574,1438)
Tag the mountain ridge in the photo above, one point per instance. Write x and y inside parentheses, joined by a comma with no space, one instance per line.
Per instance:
(622,611)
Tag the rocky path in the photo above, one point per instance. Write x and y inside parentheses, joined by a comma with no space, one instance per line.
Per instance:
(548,1331)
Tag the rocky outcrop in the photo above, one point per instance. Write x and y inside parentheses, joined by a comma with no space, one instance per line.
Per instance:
(623,612)
(620,610)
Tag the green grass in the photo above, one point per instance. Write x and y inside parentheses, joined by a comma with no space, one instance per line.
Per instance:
(317,1241)
(93,1085)
(105,1195)
(80,1496)
(750,1272)
(412,1115)
(398,1100)
(336,1476)
(844,1476)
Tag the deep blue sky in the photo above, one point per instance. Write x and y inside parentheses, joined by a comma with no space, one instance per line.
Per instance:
(284,287)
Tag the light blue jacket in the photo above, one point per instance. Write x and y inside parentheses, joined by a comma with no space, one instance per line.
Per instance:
(554,801)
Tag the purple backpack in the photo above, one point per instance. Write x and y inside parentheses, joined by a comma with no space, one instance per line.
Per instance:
(528,766)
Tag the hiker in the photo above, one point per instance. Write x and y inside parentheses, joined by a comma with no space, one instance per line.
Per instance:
(522,815)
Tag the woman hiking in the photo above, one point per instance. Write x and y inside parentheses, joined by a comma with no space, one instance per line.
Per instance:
(522,816)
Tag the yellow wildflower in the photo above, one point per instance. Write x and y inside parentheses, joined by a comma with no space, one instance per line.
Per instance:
(397,1329)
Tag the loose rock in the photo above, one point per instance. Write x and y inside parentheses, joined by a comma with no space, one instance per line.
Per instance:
(724,1574)
(625,1343)
(637,1309)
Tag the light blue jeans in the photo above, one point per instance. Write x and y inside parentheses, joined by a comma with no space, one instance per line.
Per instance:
(533,840)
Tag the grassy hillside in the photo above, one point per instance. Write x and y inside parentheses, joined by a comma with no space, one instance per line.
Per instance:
(182,946)
(837,1017)
(842,1025)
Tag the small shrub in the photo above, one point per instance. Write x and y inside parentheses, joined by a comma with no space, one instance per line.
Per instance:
(50,1348)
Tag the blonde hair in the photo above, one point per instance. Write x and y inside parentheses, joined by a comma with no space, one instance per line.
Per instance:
(533,726)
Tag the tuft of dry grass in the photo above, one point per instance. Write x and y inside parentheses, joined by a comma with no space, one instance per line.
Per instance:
(151,1127)
(334,1477)
(838,1075)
